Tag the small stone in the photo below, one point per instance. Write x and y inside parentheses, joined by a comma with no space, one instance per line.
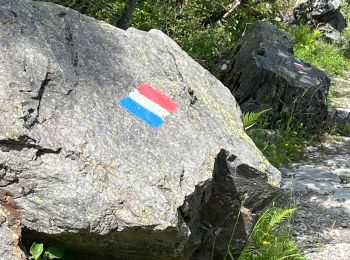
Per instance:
(224,66)
(344,225)
(296,233)
(4,149)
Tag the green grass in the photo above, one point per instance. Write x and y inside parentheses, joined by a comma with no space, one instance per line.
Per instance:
(282,144)
(311,48)
(338,129)
(282,148)
(192,24)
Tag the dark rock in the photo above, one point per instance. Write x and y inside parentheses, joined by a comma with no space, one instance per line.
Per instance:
(325,10)
(215,206)
(339,116)
(81,172)
(301,12)
(320,14)
(332,35)
(338,22)
(261,72)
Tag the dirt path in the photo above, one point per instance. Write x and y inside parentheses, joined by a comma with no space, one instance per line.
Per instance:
(320,185)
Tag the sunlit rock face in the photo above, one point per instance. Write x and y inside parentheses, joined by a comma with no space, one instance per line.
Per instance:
(83,169)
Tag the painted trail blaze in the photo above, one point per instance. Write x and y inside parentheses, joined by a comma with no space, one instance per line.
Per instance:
(149,104)
(299,65)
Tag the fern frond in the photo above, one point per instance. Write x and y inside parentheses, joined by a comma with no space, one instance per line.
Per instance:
(280,215)
(267,242)
(251,118)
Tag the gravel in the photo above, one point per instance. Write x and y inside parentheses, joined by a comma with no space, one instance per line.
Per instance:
(321,225)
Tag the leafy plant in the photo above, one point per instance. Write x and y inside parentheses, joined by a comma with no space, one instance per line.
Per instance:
(311,48)
(284,142)
(251,118)
(269,240)
(346,130)
(37,252)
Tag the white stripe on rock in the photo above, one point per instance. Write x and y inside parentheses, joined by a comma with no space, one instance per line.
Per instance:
(148,104)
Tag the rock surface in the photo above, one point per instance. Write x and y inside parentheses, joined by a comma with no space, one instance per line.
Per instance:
(78,170)
(261,72)
(319,185)
(339,109)
(325,15)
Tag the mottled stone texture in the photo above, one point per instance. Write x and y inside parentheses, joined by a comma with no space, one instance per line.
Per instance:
(262,72)
(78,170)
(324,15)
(316,12)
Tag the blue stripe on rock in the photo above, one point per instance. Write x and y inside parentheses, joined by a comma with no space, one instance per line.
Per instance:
(142,113)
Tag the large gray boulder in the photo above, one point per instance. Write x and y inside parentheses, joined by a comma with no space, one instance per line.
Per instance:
(262,72)
(79,171)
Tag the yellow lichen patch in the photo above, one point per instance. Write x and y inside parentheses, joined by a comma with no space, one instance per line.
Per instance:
(263,161)
(265,164)
(100,185)
(230,124)
(143,54)
(174,92)
(10,134)
(243,134)
(218,111)
(93,164)
(38,200)
(274,182)
(2,212)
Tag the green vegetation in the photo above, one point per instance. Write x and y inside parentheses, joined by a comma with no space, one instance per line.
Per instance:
(250,119)
(196,25)
(337,129)
(311,48)
(199,28)
(345,130)
(270,239)
(279,145)
(38,252)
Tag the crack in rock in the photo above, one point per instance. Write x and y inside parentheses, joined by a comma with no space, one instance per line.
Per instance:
(8,176)
(74,55)
(193,97)
(25,142)
(31,118)
(177,67)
